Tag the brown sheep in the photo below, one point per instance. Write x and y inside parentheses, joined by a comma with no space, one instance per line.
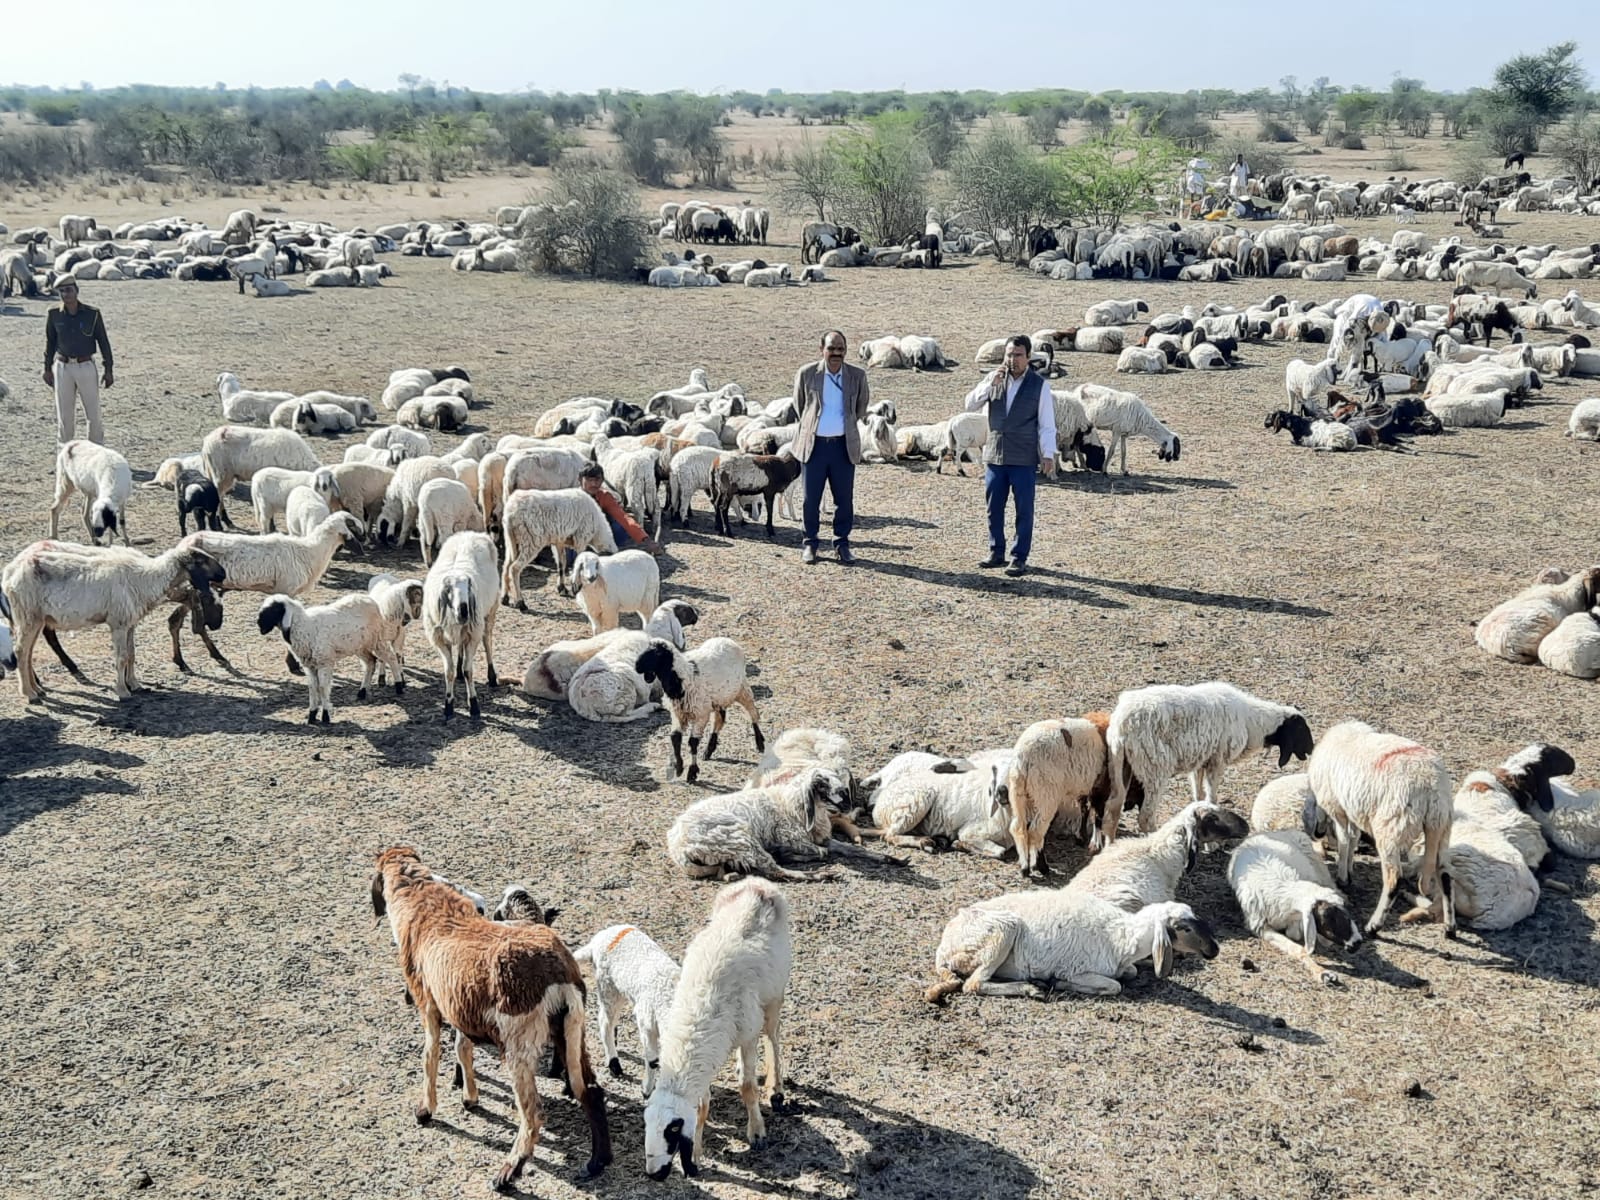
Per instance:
(1341,247)
(516,987)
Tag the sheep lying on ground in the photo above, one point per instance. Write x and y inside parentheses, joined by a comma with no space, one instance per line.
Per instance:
(1134,872)
(1282,884)
(549,675)
(960,802)
(1514,629)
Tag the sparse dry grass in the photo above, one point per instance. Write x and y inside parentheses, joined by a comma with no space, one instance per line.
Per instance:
(196,989)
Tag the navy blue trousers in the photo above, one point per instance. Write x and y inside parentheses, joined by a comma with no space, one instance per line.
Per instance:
(829,464)
(1017,483)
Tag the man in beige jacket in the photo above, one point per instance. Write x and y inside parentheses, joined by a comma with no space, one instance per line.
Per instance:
(831,397)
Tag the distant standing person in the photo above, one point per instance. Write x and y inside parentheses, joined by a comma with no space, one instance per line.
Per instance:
(831,397)
(72,334)
(1022,438)
(1239,178)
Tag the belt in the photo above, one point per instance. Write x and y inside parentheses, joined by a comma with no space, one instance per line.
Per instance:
(70,358)
(838,437)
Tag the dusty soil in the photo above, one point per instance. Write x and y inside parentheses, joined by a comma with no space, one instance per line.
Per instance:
(198,997)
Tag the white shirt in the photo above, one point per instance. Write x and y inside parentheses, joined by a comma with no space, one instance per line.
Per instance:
(979,396)
(1241,172)
(831,423)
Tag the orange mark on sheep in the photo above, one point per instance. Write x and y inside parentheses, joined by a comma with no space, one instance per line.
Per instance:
(1410,749)
(622,933)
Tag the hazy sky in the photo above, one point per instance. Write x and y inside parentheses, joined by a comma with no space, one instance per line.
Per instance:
(805,45)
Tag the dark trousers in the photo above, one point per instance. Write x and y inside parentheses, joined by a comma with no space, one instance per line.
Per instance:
(829,463)
(621,536)
(1019,483)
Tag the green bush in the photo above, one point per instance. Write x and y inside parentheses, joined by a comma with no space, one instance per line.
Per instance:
(1352,141)
(590,223)
(1272,130)
(55,110)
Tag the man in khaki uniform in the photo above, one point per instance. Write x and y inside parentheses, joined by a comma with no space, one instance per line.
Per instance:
(72,334)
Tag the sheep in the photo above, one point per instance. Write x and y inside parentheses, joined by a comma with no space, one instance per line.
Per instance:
(1136,361)
(414,443)
(729,995)
(1475,410)
(1114,312)
(1098,339)
(400,603)
(444,507)
(752,832)
(76,229)
(356,488)
(398,515)
(514,986)
(271,487)
(241,405)
(1573,647)
(1123,414)
(567,518)
(736,475)
(104,479)
(265,563)
(322,635)
(1034,942)
(304,511)
(919,441)
(234,453)
(964,802)
(305,417)
(549,676)
(240,227)
(1281,883)
(458,612)
(429,411)
(1058,767)
(1302,381)
(699,687)
(628,581)
(1514,629)
(965,434)
(8,649)
(632,475)
(1134,872)
(1288,802)
(358,407)
(923,353)
(1498,277)
(196,495)
(631,971)
(1165,730)
(1319,435)
(1394,790)
(775,276)
(691,470)
(53,586)
(1489,882)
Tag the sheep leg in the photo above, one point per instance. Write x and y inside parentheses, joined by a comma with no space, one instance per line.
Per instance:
(755,1129)
(1300,954)
(469,668)
(488,648)
(529,1122)
(54,642)
(905,839)
(27,680)
(650,1041)
(746,700)
(718,716)
(982,846)
(175,623)
(511,581)
(677,751)
(1391,884)
(464,1071)
(1089,984)
(63,494)
(846,850)
(432,1024)
(610,1001)
(1345,836)
(581,1081)
(369,665)
(445,653)
(771,1020)
(325,689)
(122,647)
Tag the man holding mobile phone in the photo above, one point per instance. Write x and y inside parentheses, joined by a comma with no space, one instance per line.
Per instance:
(1022,439)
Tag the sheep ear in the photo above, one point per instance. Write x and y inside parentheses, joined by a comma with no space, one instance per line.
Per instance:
(686,1154)
(1163,952)
(1308,929)
(1192,839)
(378,907)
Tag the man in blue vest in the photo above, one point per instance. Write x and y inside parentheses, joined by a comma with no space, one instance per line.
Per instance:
(1022,438)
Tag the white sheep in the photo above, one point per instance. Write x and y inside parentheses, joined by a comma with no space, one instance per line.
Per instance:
(400,602)
(1573,647)
(104,479)
(1288,802)
(629,581)
(323,634)
(966,433)
(729,995)
(1114,312)
(922,353)
(1283,885)
(549,676)
(962,801)
(1494,276)
(398,515)
(1134,872)
(1476,410)
(881,352)
(920,441)
(1123,415)
(444,507)
(414,443)
(356,488)
(1099,339)
(358,407)
(234,453)
(631,972)
(1137,360)
(304,511)
(242,405)
(305,417)
(690,472)
(561,519)
(271,487)
(1026,943)
(459,610)
(1514,629)
(700,686)
(1158,732)
(753,831)
(1058,770)
(1395,790)
(1303,382)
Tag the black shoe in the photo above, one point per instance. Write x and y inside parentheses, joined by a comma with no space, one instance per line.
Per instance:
(1017,570)
(845,556)
(990,563)
(809,555)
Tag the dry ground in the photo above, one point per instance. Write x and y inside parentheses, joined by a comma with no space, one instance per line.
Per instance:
(197,996)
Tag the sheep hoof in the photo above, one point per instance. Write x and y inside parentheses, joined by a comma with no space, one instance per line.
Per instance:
(778,1102)
(593,1169)
(508,1172)
(458,1076)
(758,1145)
(474,709)
(615,1066)
(311,717)
(424,1114)
(325,716)
(399,687)
(361,693)
(449,709)
(693,773)
(493,680)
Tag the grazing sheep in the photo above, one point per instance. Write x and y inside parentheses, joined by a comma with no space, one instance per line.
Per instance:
(271,487)
(567,518)
(458,612)
(322,635)
(514,986)
(356,488)
(1288,802)
(1282,884)
(304,511)
(1059,769)
(631,971)
(397,517)
(737,475)
(628,581)
(729,995)
(234,453)
(699,687)
(197,495)
(1514,629)
(400,602)
(104,479)
(1123,415)
(1395,791)
(1034,942)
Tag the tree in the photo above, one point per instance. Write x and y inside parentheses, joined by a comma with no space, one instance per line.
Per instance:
(590,223)
(1102,181)
(940,131)
(411,81)
(883,175)
(1313,114)
(1354,109)
(1543,86)
(1576,146)
(816,179)
(1096,112)
(1005,187)
(1042,124)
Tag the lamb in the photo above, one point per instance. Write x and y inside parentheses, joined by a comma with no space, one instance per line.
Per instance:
(234,453)
(241,405)
(1319,435)
(1573,647)
(729,995)
(1303,381)
(966,433)
(52,586)
(1514,629)
(1585,420)
(631,971)
(751,832)
(1282,884)
(1136,361)
(398,515)
(1114,312)
(400,603)
(736,475)
(964,802)
(358,407)
(197,495)
(1058,768)
(271,487)
(1123,414)
(1132,873)
(1161,731)
(444,507)
(322,635)
(1394,790)
(1037,941)
(458,612)
(304,511)
(1488,880)
(628,581)
(567,518)
(512,985)
(699,687)
(105,481)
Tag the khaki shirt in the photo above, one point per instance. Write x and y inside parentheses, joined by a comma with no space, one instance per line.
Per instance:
(75,336)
